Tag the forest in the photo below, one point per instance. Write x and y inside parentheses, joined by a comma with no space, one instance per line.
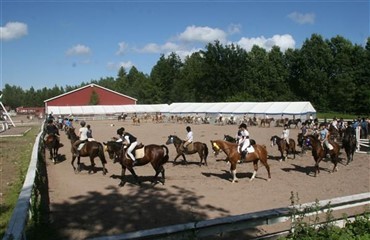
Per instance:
(333,74)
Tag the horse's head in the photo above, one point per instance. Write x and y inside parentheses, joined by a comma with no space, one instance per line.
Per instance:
(229,138)
(113,149)
(273,140)
(174,139)
(216,148)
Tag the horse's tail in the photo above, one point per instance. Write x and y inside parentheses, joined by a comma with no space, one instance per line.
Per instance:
(205,151)
(101,153)
(165,157)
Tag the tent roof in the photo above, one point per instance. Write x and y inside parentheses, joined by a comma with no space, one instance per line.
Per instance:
(272,108)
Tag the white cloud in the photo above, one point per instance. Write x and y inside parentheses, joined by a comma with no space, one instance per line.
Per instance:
(283,41)
(122,46)
(155,48)
(150,48)
(115,66)
(234,28)
(202,34)
(13,30)
(78,50)
(302,18)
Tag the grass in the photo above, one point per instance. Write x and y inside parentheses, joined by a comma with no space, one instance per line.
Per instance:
(14,151)
(331,115)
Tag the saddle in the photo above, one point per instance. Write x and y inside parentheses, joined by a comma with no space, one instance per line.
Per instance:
(138,151)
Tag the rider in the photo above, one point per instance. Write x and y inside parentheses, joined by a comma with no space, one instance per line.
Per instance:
(243,140)
(335,123)
(189,138)
(51,129)
(285,134)
(324,136)
(89,133)
(82,134)
(128,140)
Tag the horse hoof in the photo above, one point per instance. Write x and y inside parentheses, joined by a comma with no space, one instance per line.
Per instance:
(269,180)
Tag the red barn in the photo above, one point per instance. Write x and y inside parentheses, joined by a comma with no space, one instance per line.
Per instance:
(91,94)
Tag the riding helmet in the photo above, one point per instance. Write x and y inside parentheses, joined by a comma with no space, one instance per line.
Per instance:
(243,125)
(120,131)
(83,123)
(188,129)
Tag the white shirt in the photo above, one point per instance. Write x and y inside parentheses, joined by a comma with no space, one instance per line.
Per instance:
(83,133)
(189,137)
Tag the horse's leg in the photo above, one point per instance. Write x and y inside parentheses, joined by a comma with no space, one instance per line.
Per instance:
(123,180)
(255,167)
(233,172)
(200,153)
(267,166)
(132,171)
(334,159)
(158,170)
(72,163)
(92,164)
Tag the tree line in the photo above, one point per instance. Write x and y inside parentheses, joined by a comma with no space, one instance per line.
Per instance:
(333,74)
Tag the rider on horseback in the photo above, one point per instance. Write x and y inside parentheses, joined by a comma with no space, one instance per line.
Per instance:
(189,138)
(285,134)
(82,134)
(243,140)
(324,137)
(129,142)
(51,129)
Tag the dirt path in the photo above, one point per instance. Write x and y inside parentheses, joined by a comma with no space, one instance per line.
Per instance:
(85,206)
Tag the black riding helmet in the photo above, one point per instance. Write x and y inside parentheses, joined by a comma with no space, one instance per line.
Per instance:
(188,129)
(83,123)
(120,131)
(243,125)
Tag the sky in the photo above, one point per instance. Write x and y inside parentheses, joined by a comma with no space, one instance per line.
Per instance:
(48,43)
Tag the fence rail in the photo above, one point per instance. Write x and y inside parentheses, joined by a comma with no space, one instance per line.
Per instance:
(205,228)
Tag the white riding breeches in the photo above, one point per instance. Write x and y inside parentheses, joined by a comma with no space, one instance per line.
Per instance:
(130,149)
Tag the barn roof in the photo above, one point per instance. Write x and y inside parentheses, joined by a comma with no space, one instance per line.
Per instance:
(93,86)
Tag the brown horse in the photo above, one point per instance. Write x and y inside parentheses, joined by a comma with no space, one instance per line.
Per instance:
(267,121)
(319,153)
(90,149)
(334,133)
(52,144)
(198,147)
(283,146)
(157,155)
(231,151)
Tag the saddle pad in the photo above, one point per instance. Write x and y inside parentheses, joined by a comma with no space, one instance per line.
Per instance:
(139,153)
(80,146)
(250,149)
(190,147)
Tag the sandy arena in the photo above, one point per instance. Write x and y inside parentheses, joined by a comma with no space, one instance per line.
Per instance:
(91,205)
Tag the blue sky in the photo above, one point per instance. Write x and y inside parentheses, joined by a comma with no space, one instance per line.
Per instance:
(48,43)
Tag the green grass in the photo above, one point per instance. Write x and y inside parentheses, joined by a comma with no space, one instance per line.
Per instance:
(17,150)
(331,115)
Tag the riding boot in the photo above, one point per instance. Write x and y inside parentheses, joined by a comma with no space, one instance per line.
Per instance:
(135,163)
(244,153)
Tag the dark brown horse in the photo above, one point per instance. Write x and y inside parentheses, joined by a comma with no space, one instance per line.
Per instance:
(198,147)
(52,144)
(157,155)
(319,153)
(334,133)
(283,146)
(91,149)
(231,151)
(294,122)
(349,144)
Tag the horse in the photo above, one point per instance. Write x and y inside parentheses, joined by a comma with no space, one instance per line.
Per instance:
(294,122)
(157,155)
(305,145)
(334,133)
(349,143)
(52,144)
(91,149)
(198,147)
(265,121)
(283,146)
(318,152)
(122,117)
(231,151)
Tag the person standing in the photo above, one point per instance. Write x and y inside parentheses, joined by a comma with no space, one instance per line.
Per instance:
(129,141)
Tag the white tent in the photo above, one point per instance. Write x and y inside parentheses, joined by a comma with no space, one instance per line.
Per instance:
(258,109)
